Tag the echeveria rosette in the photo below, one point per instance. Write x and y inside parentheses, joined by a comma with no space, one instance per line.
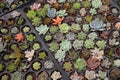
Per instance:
(60,55)
(101,44)
(102,75)
(96,3)
(64,28)
(70,36)
(51,12)
(30,37)
(62,13)
(80,64)
(97,24)
(67,66)
(42,29)
(75,27)
(81,36)
(90,75)
(93,35)
(93,63)
(77,44)
(65,45)
(89,43)
(93,11)
(36,65)
(36,46)
(17,76)
(85,27)
(76,6)
(117,62)
(54,46)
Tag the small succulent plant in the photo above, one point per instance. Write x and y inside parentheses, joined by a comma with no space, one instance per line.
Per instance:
(56,75)
(42,55)
(54,46)
(42,12)
(72,55)
(15,30)
(81,36)
(24,46)
(76,6)
(17,76)
(113,42)
(42,29)
(93,35)
(6,57)
(1,67)
(89,43)
(49,64)
(51,12)
(36,65)
(86,3)
(93,63)
(21,21)
(11,67)
(75,27)
(101,44)
(62,13)
(64,28)
(60,55)
(5,77)
(102,75)
(67,66)
(97,24)
(85,28)
(36,21)
(93,11)
(78,44)
(43,75)
(26,29)
(53,29)
(65,45)
(75,75)
(70,36)
(36,46)
(96,3)
(80,64)
(31,14)
(29,77)
(90,75)
(48,37)
(30,37)
(117,62)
